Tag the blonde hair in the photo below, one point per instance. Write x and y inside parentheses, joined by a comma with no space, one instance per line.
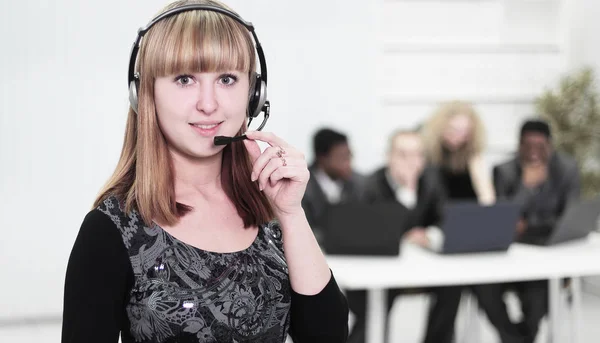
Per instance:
(433,132)
(192,41)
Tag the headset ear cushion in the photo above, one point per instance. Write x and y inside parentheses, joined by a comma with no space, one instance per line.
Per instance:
(253,96)
(258,96)
(133,95)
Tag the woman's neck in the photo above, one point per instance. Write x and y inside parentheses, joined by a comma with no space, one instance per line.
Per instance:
(196,176)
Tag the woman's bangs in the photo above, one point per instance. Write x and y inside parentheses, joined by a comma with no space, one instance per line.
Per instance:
(198,41)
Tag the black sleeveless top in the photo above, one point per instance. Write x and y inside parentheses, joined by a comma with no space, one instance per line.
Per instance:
(458,184)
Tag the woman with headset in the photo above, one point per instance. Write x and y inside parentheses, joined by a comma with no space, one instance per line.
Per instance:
(190,240)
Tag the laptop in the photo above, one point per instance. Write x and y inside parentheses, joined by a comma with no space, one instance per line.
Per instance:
(364,229)
(470,227)
(577,222)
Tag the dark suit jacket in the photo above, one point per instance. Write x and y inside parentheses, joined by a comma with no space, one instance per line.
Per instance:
(430,196)
(543,206)
(315,201)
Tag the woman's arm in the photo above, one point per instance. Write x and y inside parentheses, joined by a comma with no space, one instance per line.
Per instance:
(319,310)
(282,175)
(308,269)
(98,276)
(482,181)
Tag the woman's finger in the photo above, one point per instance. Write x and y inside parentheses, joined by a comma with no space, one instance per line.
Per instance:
(272,165)
(267,137)
(295,173)
(264,158)
(253,149)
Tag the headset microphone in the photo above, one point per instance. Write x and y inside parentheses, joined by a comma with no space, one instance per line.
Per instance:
(224,140)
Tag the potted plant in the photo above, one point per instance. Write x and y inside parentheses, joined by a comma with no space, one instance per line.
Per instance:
(574,115)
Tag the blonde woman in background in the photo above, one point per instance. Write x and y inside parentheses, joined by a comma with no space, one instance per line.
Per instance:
(454,140)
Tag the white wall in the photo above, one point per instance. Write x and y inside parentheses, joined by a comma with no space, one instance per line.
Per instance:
(383,63)
(583,40)
(584,46)
(499,54)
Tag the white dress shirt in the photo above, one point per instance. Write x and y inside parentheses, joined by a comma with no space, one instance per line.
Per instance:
(408,198)
(404,195)
(331,188)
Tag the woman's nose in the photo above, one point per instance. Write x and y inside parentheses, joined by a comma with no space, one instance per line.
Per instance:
(207,100)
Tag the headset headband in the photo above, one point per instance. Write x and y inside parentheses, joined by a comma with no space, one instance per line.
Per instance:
(194,7)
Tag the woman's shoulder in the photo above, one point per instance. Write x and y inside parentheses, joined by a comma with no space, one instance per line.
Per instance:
(97,231)
(96,221)
(110,214)
(98,250)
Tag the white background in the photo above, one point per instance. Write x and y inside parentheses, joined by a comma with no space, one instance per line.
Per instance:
(364,67)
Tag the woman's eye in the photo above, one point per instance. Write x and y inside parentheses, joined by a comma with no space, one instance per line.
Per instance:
(184,80)
(228,80)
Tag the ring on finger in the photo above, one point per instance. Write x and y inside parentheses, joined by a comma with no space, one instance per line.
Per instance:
(280,152)
(284,161)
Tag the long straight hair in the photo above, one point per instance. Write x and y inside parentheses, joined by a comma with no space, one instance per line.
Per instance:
(193,41)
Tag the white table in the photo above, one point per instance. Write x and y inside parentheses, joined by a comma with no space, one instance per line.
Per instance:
(416,267)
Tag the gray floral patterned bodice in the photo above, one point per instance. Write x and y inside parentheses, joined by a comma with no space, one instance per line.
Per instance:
(185,294)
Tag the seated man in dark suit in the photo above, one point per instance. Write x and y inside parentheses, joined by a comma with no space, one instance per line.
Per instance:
(406,180)
(545,183)
(332,179)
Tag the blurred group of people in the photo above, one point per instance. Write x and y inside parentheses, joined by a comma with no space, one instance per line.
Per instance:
(439,162)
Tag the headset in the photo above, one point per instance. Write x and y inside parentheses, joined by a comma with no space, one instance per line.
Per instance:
(257,102)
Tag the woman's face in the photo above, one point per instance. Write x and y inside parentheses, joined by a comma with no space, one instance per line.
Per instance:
(457,132)
(194,108)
